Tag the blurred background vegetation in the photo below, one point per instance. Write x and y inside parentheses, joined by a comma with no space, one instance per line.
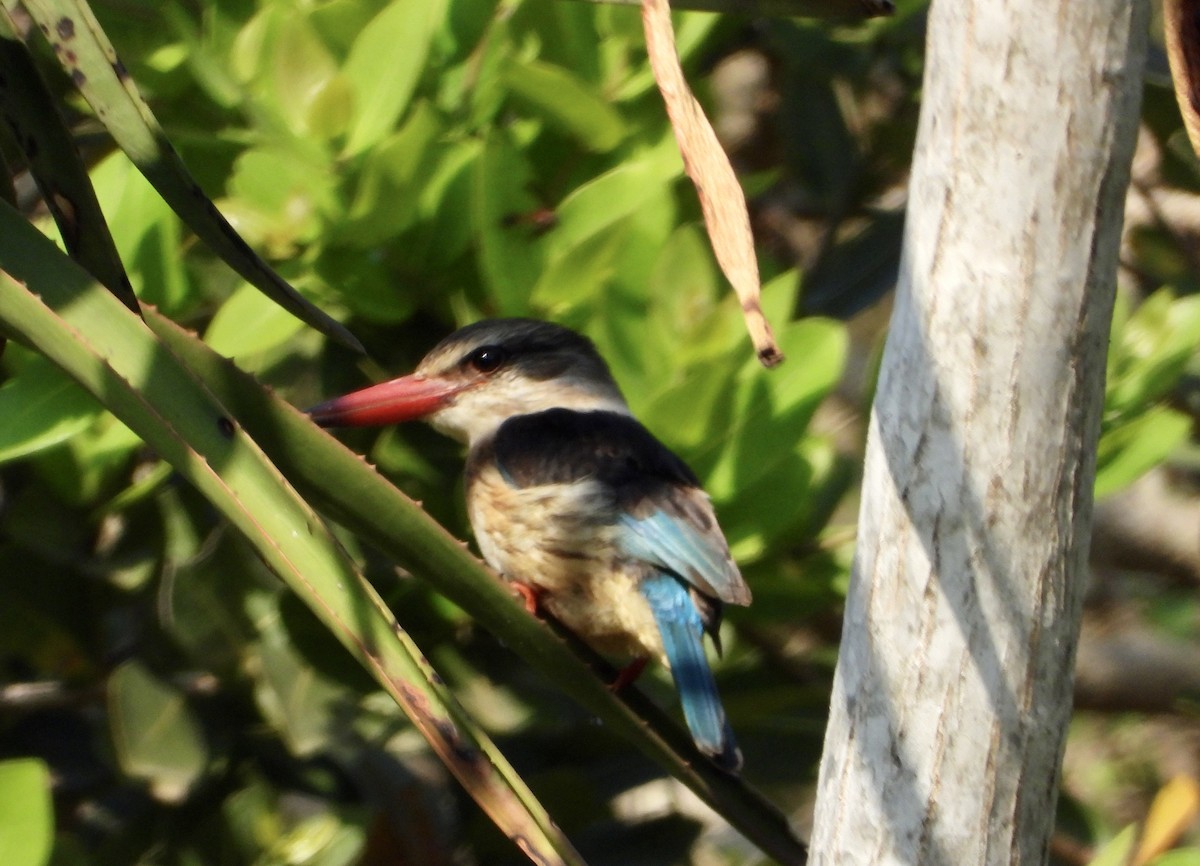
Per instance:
(413,166)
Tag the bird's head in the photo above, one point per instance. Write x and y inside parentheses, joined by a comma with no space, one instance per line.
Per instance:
(483,374)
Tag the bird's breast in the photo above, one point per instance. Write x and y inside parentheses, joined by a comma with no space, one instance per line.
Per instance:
(561,539)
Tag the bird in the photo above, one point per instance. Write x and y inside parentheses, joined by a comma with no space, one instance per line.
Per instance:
(575,502)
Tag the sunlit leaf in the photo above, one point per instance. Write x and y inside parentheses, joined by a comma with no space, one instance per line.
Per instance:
(321,840)
(613,196)
(566,102)
(301,70)
(770,410)
(1154,346)
(384,65)
(41,407)
(1118,849)
(781,506)
(1178,857)
(26,813)
(1126,453)
(146,231)
(579,275)
(249,323)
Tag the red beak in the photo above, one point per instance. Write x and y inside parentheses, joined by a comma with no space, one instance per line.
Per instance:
(405,399)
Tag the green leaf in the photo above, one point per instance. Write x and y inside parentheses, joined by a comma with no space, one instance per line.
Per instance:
(785,505)
(331,109)
(249,323)
(1151,351)
(294,697)
(1178,857)
(385,64)
(26,813)
(1128,452)
(341,21)
(510,254)
(686,413)
(479,80)
(771,409)
(581,274)
(301,69)
(288,182)
(254,45)
(386,200)
(156,737)
(89,461)
(321,840)
(366,283)
(262,832)
(146,231)
(1118,850)
(442,235)
(207,595)
(41,407)
(566,102)
(684,273)
(613,196)
(207,66)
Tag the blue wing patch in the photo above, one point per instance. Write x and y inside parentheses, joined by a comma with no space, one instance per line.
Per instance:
(674,544)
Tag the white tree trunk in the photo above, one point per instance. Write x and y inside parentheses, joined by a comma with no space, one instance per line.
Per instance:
(953,687)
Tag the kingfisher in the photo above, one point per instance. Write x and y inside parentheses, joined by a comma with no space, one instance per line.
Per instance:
(574,502)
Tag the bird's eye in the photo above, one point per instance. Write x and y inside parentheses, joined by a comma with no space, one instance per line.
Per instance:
(487,359)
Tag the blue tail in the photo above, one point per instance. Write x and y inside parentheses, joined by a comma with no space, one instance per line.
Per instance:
(682,633)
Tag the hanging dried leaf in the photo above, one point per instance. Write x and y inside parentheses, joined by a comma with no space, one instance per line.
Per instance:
(721,196)
(1181,23)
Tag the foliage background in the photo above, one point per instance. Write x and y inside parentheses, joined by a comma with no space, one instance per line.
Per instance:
(411,167)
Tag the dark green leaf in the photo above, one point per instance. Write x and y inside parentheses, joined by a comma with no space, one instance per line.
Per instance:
(510,250)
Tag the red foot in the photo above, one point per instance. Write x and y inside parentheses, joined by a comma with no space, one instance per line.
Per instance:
(531,595)
(629,673)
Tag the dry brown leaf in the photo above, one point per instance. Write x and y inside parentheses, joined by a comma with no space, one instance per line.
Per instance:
(721,196)
(1181,25)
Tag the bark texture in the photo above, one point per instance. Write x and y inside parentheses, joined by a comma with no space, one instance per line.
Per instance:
(953,687)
